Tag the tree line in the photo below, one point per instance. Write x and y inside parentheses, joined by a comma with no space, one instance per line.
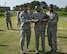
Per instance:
(42,4)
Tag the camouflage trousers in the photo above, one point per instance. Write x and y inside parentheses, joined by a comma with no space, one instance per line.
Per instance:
(26,33)
(8,22)
(42,35)
(52,39)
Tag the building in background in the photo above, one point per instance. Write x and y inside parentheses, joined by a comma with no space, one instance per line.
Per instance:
(4,8)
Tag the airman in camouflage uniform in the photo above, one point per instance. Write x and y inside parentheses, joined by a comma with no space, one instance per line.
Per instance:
(8,19)
(25,28)
(52,29)
(39,27)
(18,19)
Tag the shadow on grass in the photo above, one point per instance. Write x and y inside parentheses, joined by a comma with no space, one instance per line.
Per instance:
(2,30)
(46,53)
(62,37)
(58,36)
(32,51)
(56,53)
(16,29)
(40,52)
(3,45)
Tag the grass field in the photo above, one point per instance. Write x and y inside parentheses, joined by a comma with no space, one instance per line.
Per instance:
(62,14)
(9,39)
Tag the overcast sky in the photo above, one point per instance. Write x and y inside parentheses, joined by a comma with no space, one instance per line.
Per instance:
(12,3)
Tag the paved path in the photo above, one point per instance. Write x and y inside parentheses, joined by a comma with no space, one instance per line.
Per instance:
(64,19)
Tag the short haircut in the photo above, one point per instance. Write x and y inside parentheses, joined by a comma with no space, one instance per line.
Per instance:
(36,6)
(25,5)
(51,5)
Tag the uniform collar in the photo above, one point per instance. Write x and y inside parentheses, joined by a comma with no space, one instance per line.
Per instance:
(52,11)
(25,12)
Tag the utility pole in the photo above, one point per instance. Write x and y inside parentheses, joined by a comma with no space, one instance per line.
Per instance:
(5,4)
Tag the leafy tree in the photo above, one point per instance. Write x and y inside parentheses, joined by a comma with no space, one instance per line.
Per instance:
(43,5)
(56,8)
(33,4)
(65,9)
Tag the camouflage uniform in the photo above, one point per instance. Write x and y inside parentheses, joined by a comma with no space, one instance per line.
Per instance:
(8,19)
(25,28)
(18,13)
(30,11)
(52,30)
(39,28)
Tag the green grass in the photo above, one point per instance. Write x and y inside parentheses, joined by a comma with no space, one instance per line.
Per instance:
(1,13)
(62,14)
(9,39)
